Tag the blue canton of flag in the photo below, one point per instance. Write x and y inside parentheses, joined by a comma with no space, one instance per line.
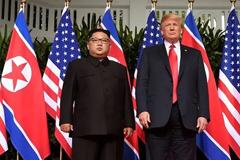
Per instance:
(231,51)
(65,47)
(229,81)
(152,35)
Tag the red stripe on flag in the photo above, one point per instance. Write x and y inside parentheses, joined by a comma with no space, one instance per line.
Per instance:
(140,133)
(230,118)
(234,146)
(133,141)
(229,95)
(51,75)
(117,53)
(50,92)
(63,142)
(3,128)
(50,111)
(1,149)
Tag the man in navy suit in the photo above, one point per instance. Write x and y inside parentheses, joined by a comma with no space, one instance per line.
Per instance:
(172,95)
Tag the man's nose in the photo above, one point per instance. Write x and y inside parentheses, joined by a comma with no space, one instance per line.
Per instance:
(99,42)
(171,27)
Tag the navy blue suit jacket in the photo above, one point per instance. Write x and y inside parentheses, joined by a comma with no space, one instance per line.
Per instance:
(155,86)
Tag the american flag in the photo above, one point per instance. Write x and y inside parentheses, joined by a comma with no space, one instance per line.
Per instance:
(64,50)
(229,81)
(131,151)
(152,36)
(3,133)
(213,141)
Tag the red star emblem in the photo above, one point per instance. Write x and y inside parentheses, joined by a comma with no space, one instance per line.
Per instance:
(16,73)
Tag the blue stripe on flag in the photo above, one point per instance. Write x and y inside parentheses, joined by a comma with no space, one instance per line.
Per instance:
(210,149)
(17,138)
(107,19)
(22,28)
(192,26)
(128,153)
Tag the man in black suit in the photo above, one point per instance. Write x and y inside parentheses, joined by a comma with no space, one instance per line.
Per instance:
(172,95)
(103,112)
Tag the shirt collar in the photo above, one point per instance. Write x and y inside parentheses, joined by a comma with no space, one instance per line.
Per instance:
(167,45)
(97,62)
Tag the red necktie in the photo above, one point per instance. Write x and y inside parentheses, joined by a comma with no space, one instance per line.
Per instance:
(174,68)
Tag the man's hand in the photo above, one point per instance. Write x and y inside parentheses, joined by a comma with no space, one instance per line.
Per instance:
(128,132)
(201,124)
(66,127)
(144,119)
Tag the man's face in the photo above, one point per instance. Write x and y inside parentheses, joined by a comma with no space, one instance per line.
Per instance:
(99,45)
(171,30)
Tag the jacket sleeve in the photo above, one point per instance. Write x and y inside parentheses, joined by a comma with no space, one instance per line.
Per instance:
(142,84)
(129,120)
(202,89)
(67,97)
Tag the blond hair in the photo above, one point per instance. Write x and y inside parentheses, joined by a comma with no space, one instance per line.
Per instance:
(171,16)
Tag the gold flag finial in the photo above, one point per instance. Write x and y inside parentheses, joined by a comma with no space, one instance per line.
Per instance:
(23,3)
(154,3)
(109,2)
(67,2)
(191,3)
(233,2)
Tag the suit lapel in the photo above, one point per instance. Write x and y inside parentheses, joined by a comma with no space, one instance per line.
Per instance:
(183,61)
(164,57)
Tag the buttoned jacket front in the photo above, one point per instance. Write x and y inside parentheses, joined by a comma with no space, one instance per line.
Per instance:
(101,93)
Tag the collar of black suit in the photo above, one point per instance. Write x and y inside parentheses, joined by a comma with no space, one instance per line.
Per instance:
(97,62)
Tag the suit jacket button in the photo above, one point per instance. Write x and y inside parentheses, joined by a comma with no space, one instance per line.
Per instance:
(108,100)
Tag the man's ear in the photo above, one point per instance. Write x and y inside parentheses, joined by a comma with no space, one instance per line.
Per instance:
(88,45)
(161,32)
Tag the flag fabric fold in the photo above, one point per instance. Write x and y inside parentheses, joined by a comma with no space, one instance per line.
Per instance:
(22,96)
(229,81)
(213,141)
(3,134)
(64,50)
(131,151)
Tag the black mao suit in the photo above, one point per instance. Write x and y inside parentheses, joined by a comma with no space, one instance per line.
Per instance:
(101,92)
(155,86)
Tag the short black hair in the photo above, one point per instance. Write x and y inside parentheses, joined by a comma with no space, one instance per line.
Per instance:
(107,32)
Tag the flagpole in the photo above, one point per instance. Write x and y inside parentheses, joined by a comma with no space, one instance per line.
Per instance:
(23,3)
(22,6)
(67,3)
(109,2)
(191,3)
(154,3)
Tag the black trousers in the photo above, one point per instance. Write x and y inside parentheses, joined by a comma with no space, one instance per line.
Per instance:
(172,140)
(97,147)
